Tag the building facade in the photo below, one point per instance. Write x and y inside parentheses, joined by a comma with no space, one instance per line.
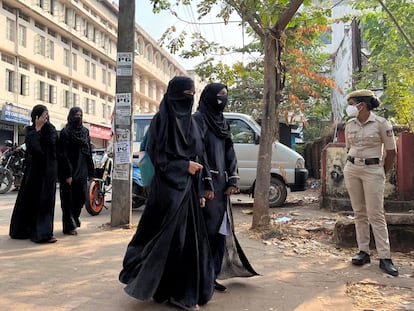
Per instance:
(62,53)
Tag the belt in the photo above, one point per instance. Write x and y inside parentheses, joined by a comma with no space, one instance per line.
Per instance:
(362,161)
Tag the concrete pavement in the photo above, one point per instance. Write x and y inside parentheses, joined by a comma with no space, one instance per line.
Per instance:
(81,272)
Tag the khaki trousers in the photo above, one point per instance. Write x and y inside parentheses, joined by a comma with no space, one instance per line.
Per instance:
(365,186)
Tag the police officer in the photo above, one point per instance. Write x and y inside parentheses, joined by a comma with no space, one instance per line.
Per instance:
(371,150)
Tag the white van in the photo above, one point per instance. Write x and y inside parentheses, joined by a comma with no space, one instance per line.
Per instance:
(288,166)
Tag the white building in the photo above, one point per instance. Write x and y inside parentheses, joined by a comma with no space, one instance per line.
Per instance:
(61,53)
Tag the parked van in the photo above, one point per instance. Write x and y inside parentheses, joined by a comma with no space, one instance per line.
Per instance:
(288,167)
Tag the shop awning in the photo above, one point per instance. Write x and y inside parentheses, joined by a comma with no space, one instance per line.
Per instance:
(99,131)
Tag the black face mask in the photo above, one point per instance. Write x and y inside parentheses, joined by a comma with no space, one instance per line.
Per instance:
(76,121)
(221,102)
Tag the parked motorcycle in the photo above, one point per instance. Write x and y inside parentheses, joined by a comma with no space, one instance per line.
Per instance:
(101,183)
(11,166)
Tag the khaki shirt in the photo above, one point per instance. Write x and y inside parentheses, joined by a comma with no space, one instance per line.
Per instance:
(367,140)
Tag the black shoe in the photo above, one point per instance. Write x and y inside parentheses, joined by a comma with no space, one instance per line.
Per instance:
(388,267)
(71,232)
(219,287)
(361,259)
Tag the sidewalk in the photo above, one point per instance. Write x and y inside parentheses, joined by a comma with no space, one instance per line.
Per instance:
(81,272)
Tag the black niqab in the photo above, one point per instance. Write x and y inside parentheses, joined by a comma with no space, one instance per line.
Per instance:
(176,136)
(212,110)
(77,132)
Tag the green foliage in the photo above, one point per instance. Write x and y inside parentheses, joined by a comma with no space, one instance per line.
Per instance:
(390,56)
(306,88)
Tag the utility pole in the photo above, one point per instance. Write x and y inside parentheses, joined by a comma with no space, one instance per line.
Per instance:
(121,212)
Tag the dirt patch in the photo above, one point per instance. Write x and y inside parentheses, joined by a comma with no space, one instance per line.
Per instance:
(301,228)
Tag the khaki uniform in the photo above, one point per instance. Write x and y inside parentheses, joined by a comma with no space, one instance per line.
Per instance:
(365,183)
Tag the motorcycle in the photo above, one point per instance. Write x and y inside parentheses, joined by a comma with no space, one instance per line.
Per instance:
(11,166)
(100,185)
(101,182)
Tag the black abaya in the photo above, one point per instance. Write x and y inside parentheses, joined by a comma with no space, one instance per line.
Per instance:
(33,212)
(229,258)
(169,256)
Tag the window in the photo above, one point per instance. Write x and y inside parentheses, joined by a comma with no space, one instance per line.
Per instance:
(75,99)
(10,31)
(93,67)
(103,76)
(24,65)
(22,35)
(7,58)
(74,61)
(52,76)
(24,85)
(104,111)
(66,57)
(66,99)
(10,83)
(64,40)
(52,7)
(109,79)
(50,49)
(241,133)
(140,46)
(41,91)
(87,68)
(40,45)
(39,71)
(69,17)
(89,107)
(149,54)
(40,26)
(51,95)
(24,16)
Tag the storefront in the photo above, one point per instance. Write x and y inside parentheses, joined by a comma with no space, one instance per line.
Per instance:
(13,119)
(100,134)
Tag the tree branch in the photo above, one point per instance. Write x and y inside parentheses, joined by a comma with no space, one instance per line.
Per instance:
(286,16)
(397,25)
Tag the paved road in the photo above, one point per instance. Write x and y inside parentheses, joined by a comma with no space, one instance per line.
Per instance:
(81,272)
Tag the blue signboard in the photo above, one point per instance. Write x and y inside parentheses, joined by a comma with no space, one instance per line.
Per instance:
(15,114)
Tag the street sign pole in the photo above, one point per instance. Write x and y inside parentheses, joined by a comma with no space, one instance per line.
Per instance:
(121,212)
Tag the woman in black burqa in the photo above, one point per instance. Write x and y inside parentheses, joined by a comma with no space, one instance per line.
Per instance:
(229,258)
(169,259)
(34,209)
(75,167)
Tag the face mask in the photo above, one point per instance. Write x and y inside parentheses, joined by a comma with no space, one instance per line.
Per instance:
(76,121)
(222,102)
(352,111)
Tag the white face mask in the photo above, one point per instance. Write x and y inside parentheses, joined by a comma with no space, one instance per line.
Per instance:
(352,111)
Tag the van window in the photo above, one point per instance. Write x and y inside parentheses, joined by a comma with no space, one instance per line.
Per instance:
(241,132)
(140,127)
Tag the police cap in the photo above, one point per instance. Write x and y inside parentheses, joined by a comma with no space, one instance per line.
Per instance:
(360,93)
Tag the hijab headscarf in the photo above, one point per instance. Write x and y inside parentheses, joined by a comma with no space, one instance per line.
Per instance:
(212,107)
(176,134)
(37,111)
(77,132)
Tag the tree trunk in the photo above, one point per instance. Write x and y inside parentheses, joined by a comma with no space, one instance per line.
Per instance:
(273,85)
(271,76)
